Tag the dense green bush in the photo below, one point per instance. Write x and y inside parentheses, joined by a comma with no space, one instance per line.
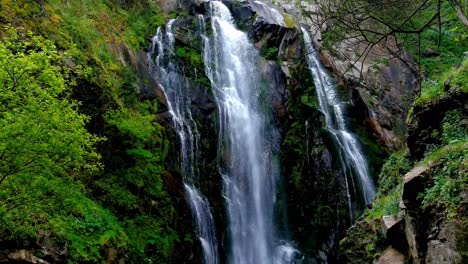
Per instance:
(450,175)
(56,175)
(45,148)
(390,183)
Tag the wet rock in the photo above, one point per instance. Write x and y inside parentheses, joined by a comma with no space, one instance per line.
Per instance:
(391,256)
(413,237)
(22,256)
(275,77)
(388,222)
(385,136)
(385,80)
(443,249)
(241,11)
(269,15)
(186,33)
(413,184)
(393,230)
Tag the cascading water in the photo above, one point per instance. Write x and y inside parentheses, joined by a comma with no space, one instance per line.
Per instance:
(245,145)
(174,86)
(347,143)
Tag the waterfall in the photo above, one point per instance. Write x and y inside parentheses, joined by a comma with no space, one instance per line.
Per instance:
(245,147)
(175,88)
(348,146)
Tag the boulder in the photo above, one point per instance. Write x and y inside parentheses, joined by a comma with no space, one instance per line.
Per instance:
(269,15)
(413,237)
(413,184)
(391,256)
(393,230)
(22,256)
(447,246)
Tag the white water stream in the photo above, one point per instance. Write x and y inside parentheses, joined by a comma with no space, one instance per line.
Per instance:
(175,88)
(246,162)
(353,159)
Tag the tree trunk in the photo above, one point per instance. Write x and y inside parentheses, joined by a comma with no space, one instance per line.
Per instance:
(461,15)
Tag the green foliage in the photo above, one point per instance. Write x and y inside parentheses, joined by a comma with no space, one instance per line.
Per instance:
(387,199)
(189,54)
(269,53)
(450,161)
(392,172)
(385,204)
(310,102)
(40,132)
(450,177)
(453,127)
(133,123)
(449,63)
(64,190)
(95,34)
(451,48)
(151,237)
(363,242)
(145,235)
(370,248)
(87,226)
(192,59)
(45,149)
(455,79)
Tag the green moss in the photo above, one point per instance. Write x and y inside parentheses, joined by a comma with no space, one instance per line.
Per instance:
(453,128)
(397,165)
(289,21)
(385,204)
(189,54)
(309,101)
(457,79)
(269,53)
(450,177)
(390,183)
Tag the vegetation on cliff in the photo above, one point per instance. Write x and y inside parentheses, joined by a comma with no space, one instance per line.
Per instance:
(435,154)
(82,157)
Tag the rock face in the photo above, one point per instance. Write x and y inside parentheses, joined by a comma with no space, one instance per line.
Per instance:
(386,84)
(391,256)
(428,118)
(444,248)
(432,237)
(385,80)
(22,256)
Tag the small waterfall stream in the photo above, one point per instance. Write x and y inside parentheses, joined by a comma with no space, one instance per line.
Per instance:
(352,157)
(175,88)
